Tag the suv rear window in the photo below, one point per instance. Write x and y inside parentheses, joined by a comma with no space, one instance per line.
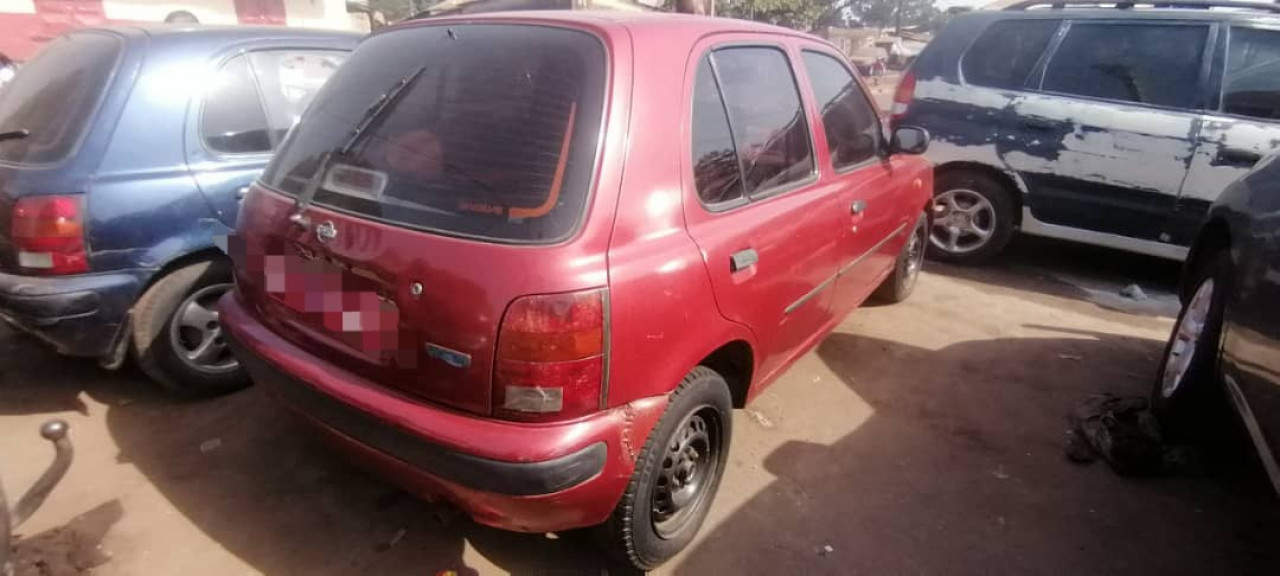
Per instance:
(1006,52)
(486,131)
(54,97)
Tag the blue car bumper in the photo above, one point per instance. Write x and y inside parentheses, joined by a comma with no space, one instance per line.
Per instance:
(77,315)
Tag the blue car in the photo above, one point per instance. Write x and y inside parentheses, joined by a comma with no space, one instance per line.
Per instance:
(123,154)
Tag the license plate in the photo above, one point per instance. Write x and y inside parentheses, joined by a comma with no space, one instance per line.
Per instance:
(330,298)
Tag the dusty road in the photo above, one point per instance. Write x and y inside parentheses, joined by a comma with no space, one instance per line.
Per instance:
(923,438)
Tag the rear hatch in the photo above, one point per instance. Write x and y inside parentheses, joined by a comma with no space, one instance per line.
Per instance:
(45,113)
(433,173)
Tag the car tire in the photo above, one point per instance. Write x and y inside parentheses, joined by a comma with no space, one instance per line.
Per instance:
(170,322)
(657,515)
(901,282)
(1187,393)
(973,217)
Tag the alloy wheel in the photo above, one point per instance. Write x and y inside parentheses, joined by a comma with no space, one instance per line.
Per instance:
(196,335)
(1186,339)
(963,221)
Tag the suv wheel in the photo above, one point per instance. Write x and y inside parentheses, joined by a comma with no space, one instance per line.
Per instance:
(676,476)
(900,283)
(1185,391)
(973,218)
(176,336)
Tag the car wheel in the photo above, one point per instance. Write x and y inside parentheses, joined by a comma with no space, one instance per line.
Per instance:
(676,476)
(176,336)
(900,283)
(1186,392)
(973,217)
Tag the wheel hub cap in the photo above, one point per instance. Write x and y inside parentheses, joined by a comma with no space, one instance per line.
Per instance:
(1186,338)
(963,221)
(196,335)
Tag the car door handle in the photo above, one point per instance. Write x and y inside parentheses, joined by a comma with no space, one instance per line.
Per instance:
(1238,156)
(858,207)
(1033,123)
(743,259)
(242,192)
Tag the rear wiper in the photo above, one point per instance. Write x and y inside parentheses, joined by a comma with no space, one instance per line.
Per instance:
(15,134)
(371,114)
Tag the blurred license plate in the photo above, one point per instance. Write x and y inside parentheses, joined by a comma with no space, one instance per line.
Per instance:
(326,296)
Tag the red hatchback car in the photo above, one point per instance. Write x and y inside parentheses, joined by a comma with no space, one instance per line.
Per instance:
(529,263)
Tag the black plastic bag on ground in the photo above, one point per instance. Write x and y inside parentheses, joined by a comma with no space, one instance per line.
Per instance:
(1122,431)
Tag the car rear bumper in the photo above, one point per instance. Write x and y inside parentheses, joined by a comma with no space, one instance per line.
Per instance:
(77,315)
(523,477)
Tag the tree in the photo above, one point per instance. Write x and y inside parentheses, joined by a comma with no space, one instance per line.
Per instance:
(797,14)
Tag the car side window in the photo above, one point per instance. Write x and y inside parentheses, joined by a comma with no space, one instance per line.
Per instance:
(716,172)
(233,120)
(766,118)
(1005,53)
(849,120)
(289,80)
(1251,86)
(1142,63)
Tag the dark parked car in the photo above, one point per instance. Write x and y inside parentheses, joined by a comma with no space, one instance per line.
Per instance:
(123,156)
(1113,126)
(530,263)
(1228,332)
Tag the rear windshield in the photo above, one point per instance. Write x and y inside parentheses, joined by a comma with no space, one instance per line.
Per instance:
(54,96)
(487,131)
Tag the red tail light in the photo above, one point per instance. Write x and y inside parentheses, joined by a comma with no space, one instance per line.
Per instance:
(48,233)
(902,97)
(551,357)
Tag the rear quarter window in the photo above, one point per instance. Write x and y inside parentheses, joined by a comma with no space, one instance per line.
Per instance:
(1005,53)
(492,136)
(55,95)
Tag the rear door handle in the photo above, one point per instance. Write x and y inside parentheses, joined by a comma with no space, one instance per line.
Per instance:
(242,192)
(1037,123)
(858,207)
(1238,156)
(743,259)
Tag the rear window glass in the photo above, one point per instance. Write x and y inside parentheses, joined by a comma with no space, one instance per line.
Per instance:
(487,131)
(1006,52)
(1140,63)
(54,96)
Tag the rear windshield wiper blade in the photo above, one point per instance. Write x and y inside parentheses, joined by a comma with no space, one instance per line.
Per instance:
(14,134)
(371,114)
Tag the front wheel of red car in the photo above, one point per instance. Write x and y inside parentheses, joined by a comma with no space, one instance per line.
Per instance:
(676,476)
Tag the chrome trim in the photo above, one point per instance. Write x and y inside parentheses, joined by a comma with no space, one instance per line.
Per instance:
(1255,431)
(810,294)
(873,249)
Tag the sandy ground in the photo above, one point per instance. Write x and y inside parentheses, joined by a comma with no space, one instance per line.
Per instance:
(921,438)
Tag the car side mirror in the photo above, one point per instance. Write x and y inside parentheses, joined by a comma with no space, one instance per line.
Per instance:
(909,140)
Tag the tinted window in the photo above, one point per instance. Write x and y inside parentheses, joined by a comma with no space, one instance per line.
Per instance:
(853,132)
(1006,52)
(233,120)
(54,97)
(1251,86)
(289,80)
(768,121)
(715,164)
(492,134)
(1147,64)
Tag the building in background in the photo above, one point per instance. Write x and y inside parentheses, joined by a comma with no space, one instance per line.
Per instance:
(25,25)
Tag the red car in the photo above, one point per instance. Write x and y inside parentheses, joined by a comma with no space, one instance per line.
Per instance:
(530,263)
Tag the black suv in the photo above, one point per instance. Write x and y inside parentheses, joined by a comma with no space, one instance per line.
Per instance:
(1116,126)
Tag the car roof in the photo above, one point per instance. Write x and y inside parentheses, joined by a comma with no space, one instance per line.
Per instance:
(636,22)
(204,34)
(1089,13)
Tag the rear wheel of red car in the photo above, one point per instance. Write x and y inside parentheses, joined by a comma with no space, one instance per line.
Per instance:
(676,476)
(900,283)
(177,339)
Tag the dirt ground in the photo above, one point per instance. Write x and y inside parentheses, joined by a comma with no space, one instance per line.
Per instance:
(921,438)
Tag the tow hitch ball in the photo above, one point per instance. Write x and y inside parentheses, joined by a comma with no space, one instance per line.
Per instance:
(54,431)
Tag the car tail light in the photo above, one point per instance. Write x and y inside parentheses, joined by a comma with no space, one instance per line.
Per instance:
(902,97)
(551,357)
(48,234)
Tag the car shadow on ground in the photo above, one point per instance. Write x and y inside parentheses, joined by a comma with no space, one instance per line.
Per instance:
(255,480)
(1034,267)
(965,429)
